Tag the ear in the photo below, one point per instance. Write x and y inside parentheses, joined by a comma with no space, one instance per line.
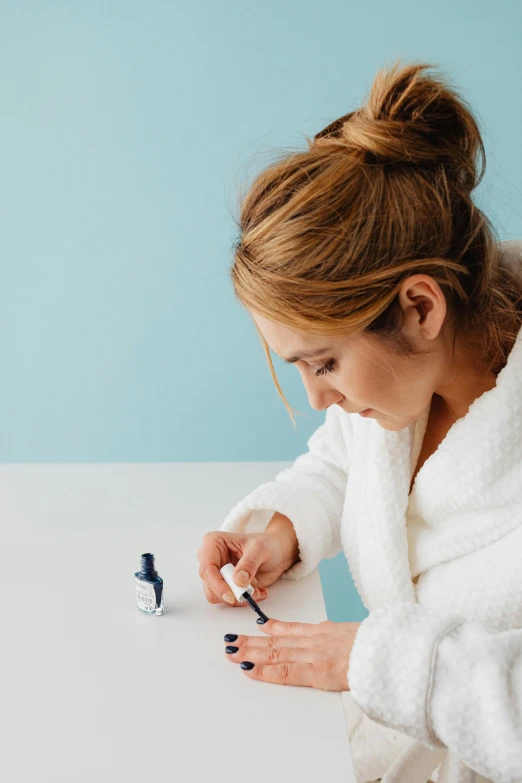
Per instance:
(424,307)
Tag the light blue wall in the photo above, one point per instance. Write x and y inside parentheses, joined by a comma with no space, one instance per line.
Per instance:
(125,130)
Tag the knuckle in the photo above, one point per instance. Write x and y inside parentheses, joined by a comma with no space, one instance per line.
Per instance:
(285,671)
(321,669)
(210,534)
(273,654)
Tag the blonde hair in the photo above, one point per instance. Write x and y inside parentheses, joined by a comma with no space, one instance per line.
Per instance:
(327,235)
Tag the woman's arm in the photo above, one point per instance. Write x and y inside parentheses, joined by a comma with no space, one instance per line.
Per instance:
(444,680)
(310,493)
(283,528)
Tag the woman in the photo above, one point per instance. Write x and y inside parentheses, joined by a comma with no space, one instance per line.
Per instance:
(365,262)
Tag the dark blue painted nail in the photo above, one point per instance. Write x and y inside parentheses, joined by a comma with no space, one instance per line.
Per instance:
(231,649)
(230,637)
(260,621)
(247,665)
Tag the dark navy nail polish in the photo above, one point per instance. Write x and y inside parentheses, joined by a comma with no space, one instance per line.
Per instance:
(149,587)
(231,649)
(260,621)
(230,637)
(247,665)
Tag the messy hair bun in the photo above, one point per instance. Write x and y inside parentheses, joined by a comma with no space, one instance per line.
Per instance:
(413,118)
(327,235)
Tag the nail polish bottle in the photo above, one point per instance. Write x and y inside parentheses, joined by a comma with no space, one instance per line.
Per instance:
(149,587)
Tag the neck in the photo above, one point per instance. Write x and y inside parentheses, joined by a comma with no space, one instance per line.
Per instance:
(462,383)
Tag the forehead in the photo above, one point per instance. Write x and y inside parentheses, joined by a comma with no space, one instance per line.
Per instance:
(286,341)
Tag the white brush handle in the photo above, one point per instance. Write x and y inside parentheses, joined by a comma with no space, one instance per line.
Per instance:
(227,572)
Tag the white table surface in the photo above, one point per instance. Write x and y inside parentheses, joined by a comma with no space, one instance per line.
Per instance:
(94,690)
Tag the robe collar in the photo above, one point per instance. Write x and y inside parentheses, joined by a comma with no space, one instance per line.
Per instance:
(467,494)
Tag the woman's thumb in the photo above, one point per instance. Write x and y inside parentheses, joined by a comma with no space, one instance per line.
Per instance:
(246,569)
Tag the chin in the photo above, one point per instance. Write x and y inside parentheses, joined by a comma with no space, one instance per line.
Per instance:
(389,426)
(393,426)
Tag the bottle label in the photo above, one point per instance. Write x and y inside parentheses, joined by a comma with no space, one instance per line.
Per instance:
(145,595)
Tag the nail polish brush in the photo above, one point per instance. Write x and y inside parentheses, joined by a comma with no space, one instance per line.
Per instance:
(242,593)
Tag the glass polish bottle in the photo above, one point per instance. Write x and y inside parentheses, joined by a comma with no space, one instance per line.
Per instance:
(149,586)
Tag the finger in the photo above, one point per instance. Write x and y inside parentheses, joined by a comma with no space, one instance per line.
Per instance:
(210,595)
(213,553)
(280,628)
(209,556)
(304,674)
(211,576)
(260,595)
(254,554)
(267,642)
(272,655)
(212,598)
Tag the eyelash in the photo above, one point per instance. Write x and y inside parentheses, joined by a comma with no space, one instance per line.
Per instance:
(328,367)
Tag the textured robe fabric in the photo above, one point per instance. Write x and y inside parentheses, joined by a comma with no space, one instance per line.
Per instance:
(435,672)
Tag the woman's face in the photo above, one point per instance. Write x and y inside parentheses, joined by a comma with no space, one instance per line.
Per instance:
(362,372)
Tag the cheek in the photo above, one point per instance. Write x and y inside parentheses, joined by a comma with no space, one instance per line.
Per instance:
(371,384)
(386,386)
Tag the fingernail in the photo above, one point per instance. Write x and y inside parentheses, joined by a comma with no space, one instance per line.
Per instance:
(230,637)
(228,598)
(247,665)
(242,578)
(259,621)
(231,649)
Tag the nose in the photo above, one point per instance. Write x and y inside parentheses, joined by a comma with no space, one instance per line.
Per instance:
(320,400)
(320,394)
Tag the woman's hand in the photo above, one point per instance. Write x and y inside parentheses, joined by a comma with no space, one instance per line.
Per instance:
(311,655)
(261,556)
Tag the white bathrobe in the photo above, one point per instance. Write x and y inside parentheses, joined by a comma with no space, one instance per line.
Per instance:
(435,672)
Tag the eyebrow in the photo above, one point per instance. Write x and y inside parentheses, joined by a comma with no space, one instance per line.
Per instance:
(307,355)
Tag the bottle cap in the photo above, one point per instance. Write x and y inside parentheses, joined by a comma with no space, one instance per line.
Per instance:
(227,572)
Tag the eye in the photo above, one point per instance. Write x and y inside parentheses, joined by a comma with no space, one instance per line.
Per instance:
(328,367)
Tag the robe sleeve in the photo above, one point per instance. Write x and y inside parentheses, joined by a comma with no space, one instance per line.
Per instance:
(445,681)
(310,493)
